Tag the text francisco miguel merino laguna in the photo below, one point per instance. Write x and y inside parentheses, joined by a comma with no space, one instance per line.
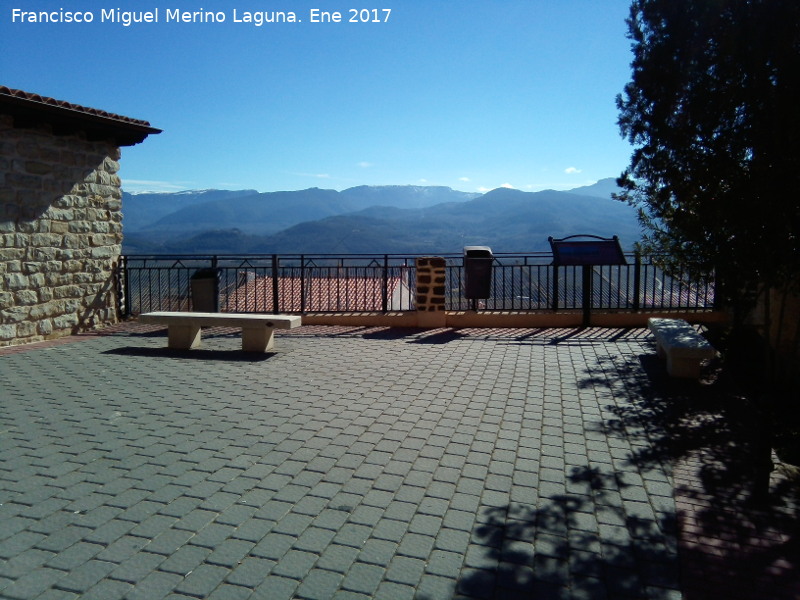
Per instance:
(176,15)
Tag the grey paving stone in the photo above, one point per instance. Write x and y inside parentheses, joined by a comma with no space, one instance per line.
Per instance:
(123,548)
(405,570)
(137,567)
(230,553)
(107,589)
(169,541)
(32,584)
(389,590)
(275,587)
(273,546)
(202,581)
(20,542)
(88,574)
(434,586)
(251,572)
(74,556)
(338,558)
(185,559)
(363,578)
(319,584)
(416,545)
(155,586)
(209,536)
(53,594)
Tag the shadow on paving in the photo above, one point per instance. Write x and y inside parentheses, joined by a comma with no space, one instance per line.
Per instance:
(575,546)
(235,355)
(731,547)
(727,547)
(526,336)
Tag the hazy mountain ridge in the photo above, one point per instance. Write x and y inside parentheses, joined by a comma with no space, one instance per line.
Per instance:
(508,220)
(270,212)
(142,209)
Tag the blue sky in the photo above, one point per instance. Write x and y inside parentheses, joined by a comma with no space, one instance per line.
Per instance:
(471,94)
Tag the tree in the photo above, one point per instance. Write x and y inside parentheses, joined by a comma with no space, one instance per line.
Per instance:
(713,112)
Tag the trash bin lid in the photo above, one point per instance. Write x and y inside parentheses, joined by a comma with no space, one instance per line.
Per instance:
(478,251)
(206,273)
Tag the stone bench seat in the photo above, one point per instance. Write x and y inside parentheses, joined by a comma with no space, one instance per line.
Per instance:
(684,348)
(183,328)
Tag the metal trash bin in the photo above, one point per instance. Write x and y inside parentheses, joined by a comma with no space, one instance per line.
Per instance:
(477,272)
(205,290)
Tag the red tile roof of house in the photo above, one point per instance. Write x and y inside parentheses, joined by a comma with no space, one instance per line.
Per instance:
(28,109)
(322,294)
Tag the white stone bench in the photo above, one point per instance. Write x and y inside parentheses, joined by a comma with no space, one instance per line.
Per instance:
(257,329)
(684,348)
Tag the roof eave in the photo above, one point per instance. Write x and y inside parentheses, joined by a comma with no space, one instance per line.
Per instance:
(65,119)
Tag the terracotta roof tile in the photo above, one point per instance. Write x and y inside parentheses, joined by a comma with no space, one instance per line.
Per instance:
(22,95)
(322,294)
(29,109)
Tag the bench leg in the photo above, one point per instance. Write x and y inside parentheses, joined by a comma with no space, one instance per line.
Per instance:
(183,336)
(258,339)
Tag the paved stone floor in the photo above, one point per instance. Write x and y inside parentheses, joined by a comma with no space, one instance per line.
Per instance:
(348,463)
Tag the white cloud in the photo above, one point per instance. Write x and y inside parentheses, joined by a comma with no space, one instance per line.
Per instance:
(572,170)
(465,179)
(484,189)
(364,164)
(507,185)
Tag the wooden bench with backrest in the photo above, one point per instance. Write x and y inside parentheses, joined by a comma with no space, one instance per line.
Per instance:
(257,329)
(684,348)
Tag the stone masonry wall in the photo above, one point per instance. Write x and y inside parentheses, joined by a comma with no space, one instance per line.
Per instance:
(60,233)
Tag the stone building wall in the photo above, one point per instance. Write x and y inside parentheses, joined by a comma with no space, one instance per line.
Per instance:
(60,233)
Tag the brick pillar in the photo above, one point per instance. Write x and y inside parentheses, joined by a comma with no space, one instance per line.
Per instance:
(430,292)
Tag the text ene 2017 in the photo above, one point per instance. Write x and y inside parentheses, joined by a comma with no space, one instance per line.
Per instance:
(355,15)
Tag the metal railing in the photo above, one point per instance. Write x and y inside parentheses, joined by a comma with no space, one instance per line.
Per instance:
(384,283)
(267,283)
(531,282)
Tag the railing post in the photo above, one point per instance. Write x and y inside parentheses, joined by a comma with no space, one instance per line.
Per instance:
(555,288)
(303,283)
(275,286)
(587,273)
(123,306)
(217,278)
(385,287)
(637,280)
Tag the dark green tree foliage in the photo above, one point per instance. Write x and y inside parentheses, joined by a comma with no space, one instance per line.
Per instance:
(713,112)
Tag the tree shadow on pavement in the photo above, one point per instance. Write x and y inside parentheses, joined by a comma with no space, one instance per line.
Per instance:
(576,545)
(669,517)
(730,546)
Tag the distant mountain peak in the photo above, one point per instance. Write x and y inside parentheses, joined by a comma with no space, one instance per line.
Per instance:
(602,188)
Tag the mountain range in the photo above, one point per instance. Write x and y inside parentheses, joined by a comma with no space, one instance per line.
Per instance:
(369,219)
